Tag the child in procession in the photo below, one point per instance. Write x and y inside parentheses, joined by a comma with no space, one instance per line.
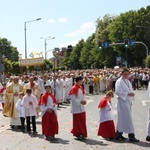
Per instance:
(106,117)
(30,104)
(48,106)
(20,108)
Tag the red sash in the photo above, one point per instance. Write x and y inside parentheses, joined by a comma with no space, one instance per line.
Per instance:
(2,90)
(75,88)
(44,98)
(103,103)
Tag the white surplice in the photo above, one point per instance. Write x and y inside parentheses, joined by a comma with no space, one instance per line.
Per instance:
(76,106)
(124,123)
(106,114)
(30,110)
(50,105)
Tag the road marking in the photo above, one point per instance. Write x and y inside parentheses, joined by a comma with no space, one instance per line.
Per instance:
(145,101)
(90,101)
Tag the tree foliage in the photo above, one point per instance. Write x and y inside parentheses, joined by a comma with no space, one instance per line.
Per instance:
(113,29)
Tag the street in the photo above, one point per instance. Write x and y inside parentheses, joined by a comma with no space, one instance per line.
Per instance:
(16,140)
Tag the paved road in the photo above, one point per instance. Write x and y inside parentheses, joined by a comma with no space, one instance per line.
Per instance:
(16,140)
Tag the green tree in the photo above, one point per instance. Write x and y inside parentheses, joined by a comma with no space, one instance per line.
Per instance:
(15,68)
(124,27)
(103,57)
(66,61)
(75,55)
(86,52)
(147,61)
(47,65)
(8,66)
(8,50)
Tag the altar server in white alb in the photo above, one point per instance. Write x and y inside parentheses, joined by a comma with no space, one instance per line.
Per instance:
(30,104)
(20,108)
(148,119)
(125,96)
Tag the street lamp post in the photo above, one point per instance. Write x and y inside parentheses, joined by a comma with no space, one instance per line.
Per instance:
(145,27)
(45,44)
(25,34)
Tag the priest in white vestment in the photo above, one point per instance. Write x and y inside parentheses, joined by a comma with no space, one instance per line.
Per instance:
(11,98)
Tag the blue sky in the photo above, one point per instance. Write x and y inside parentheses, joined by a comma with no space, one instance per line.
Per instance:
(66,20)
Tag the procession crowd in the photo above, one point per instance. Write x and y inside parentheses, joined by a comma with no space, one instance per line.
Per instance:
(24,97)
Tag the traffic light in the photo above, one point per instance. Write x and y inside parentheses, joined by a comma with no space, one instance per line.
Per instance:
(126,43)
(99,45)
(69,48)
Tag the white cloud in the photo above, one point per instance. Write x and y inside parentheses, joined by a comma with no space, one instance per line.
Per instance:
(62,20)
(51,20)
(88,27)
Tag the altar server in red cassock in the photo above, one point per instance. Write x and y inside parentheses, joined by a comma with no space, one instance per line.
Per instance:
(77,96)
(48,108)
(106,126)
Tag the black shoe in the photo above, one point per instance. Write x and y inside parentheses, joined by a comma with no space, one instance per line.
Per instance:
(109,139)
(29,132)
(51,138)
(148,138)
(23,131)
(120,138)
(81,138)
(19,127)
(34,133)
(46,138)
(133,140)
(12,126)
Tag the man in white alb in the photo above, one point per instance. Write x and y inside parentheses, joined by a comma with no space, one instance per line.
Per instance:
(125,95)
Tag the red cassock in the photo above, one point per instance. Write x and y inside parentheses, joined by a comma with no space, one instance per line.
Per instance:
(1,91)
(49,120)
(79,125)
(79,120)
(107,128)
